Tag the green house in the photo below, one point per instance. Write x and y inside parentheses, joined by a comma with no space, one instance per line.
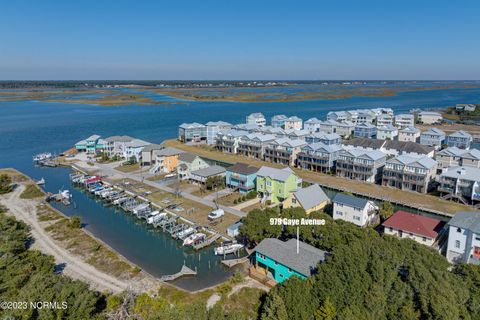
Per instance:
(277,185)
(92,144)
(280,260)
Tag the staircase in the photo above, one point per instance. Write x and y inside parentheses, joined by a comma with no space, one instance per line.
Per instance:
(155,168)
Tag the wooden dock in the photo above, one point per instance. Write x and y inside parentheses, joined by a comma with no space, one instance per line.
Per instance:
(233,262)
(207,242)
(185,271)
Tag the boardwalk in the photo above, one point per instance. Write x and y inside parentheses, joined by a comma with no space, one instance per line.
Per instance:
(185,271)
(233,262)
(207,242)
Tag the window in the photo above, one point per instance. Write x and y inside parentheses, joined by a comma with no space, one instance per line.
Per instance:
(281,275)
(269,183)
(275,262)
(340,213)
(459,230)
(457,244)
(294,200)
(424,239)
(289,270)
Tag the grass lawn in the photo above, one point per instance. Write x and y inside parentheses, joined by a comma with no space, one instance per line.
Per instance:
(14,174)
(31,192)
(128,167)
(228,200)
(417,200)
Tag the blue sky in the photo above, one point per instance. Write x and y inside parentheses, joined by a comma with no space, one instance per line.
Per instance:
(244,39)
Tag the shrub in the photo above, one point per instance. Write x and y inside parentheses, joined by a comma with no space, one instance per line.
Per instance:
(75,222)
(235,201)
(5,184)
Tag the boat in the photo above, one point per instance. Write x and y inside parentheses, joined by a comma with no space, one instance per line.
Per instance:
(182,235)
(40,182)
(156,218)
(65,194)
(42,156)
(227,249)
(140,208)
(194,239)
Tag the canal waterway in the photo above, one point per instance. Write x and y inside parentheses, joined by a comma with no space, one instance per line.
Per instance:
(31,127)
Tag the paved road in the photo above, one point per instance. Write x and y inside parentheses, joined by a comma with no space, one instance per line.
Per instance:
(108,170)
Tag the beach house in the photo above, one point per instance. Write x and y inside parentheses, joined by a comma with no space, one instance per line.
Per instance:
(312,125)
(283,151)
(276,185)
(387,132)
(201,176)
(408,134)
(384,120)
(433,137)
(318,157)
(278,121)
(192,133)
(256,118)
(189,162)
(365,130)
(241,177)
(404,120)
(278,260)
(359,211)
(92,145)
(464,238)
(455,157)
(293,123)
(325,138)
(359,164)
(407,172)
(406,225)
(227,141)
(115,145)
(460,139)
(165,160)
(310,199)
(253,145)
(460,183)
(429,117)
(213,127)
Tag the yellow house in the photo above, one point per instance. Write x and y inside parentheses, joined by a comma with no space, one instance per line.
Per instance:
(167,159)
(311,199)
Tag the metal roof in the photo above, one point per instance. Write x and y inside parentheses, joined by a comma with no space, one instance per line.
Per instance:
(467,220)
(304,262)
(209,171)
(311,196)
(274,173)
(350,201)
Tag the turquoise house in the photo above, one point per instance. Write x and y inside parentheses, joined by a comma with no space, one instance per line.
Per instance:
(280,260)
(241,176)
(92,144)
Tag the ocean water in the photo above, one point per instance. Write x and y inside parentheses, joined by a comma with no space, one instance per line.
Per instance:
(31,127)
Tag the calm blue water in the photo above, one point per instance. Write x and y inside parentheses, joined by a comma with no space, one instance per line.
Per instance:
(30,127)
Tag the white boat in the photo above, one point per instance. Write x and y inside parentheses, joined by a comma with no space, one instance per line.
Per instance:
(65,194)
(41,182)
(121,200)
(227,249)
(42,156)
(216,214)
(185,233)
(157,218)
(194,239)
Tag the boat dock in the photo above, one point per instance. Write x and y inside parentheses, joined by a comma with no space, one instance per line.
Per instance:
(185,271)
(233,262)
(207,242)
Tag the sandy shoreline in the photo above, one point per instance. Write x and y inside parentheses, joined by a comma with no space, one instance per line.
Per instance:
(74,265)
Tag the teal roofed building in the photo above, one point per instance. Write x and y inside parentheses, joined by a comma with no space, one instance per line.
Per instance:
(277,260)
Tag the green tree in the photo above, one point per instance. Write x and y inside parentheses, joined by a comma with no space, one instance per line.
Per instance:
(326,311)
(5,184)
(386,210)
(274,309)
